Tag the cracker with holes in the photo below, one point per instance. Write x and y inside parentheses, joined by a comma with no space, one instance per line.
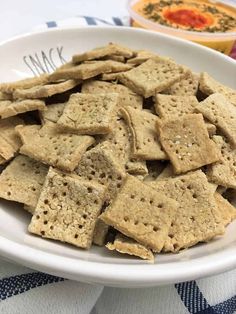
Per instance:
(52,147)
(22,180)
(44,91)
(153,76)
(89,114)
(10,108)
(197,219)
(99,164)
(106,51)
(125,245)
(52,113)
(141,213)
(187,143)
(227,211)
(119,143)
(169,106)
(67,209)
(209,86)
(218,110)
(188,86)
(145,142)
(127,96)
(223,172)
(9,141)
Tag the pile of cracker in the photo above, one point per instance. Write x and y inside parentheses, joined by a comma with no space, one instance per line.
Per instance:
(121,148)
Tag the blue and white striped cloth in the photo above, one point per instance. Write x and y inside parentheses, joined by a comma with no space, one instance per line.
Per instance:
(24,291)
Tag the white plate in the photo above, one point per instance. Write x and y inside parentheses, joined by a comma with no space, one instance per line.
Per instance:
(98,265)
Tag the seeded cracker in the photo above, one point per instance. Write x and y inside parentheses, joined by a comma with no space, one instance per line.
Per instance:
(187,143)
(12,108)
(141,213)
(50,146)
(89,114)
(44,91)
(188,86)
(127,96)
(67,209)
(218,110)
(223,172)
(168,106)
(99,164)
(52,113)
(227,211)
(210,86)
(197,219)
(153,76)
(101,52)
(142,125)
(22,180)
(125,245)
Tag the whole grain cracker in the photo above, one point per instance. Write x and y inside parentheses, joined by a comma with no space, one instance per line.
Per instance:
(152,76)
(188,86)
(197,219)
(211,128)
(67,209)
(25,83)
(22,180)
(187,143)
(100,232)
(125,245)
(52,147)
(209,86)
(227,211)
(101,52)
(145,141)
(52,113)
(218,110)
(12,108)
(5,96)
(141,56)
(223,172)
(44,91)
(141,213)
(172,106)
(126,95)
(89,114)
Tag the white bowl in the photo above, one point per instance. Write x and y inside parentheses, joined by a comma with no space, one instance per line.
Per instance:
(99,265)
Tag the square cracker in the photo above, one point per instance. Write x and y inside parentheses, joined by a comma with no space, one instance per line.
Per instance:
(89,114)
(171,106)
(197,219)
(125,245)
(188,86)
(152,76)
(187,143)
(67,209)
(52,113)
(218,110)
(44,91)
(99,164)
(145,139)
(88,70)
(227,211)
(141,213)
(223,172)
(127,96)
(10,142)
(22,180)
(119,143)
(209,86)
(101,52)
(52,147)
(10,108)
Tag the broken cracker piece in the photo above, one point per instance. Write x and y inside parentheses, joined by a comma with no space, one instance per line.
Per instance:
(52,113)
(187,143)
(22,180)
(227,211)
(67,209)
(141,213)
(141,56)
